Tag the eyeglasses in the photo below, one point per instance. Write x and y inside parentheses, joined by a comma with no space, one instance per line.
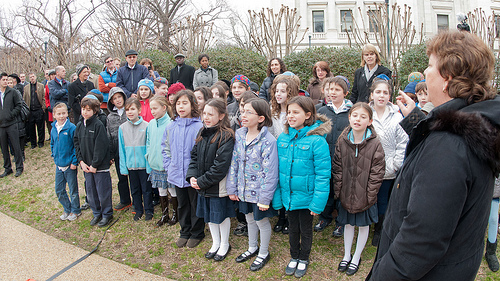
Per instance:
(247,112)
(109,61)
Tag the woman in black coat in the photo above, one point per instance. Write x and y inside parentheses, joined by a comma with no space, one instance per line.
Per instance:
(371,67)
(275,67)
(439,207)
(78,89)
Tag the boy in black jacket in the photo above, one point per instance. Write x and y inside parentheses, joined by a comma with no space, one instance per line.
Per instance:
(92,151)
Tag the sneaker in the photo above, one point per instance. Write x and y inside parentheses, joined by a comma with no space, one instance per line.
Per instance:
(64,216)
(73,216)
(121,207)
(137,216)
(148,217)
(321,225)
(241,230)
(85,206)
(338,232)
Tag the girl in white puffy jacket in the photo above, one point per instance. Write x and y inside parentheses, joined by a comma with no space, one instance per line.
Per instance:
(386,118)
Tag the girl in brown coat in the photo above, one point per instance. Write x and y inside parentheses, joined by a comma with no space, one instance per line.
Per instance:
(358,170)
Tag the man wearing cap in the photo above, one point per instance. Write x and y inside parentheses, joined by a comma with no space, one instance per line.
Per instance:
(35,99)
(58,88)
(129,75)
(182,73)
(78,89)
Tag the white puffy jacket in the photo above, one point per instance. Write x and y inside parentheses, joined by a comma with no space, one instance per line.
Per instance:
(393,138)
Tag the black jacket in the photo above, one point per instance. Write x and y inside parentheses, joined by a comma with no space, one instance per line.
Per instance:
(92,144)
(266,85)
(210,162)
(439,207)
(11,107)
(185,76)
(361,87)
(76,92)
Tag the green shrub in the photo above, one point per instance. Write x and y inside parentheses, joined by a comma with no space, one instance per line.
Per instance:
(415,59)
(162,61)
(343,61)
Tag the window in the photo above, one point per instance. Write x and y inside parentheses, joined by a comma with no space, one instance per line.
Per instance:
(346,20)
(443,23)
(318,21)
(497,26)
(373,15)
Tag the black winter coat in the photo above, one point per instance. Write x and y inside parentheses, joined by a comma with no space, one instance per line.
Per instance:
(339,122)
(361,87)
(92,144)
(266,85)
(439,207)
(185,76)
(11,109)
(210,162)
(76,92)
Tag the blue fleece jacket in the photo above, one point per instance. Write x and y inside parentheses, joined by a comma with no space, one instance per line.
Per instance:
(61,144)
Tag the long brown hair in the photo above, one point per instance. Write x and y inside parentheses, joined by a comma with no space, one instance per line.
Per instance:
(282,66)
(223,126)
(292,91)
(192,100)
(307,105)
(466,63)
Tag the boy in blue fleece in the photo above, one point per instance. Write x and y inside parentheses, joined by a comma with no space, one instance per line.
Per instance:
(63,153)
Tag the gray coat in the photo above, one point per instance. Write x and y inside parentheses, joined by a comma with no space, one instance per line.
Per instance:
(205,78)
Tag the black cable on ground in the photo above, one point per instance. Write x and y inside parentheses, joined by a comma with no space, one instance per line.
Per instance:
(89,253)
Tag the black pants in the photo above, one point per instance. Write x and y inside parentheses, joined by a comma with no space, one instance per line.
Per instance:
(301,232)
(11,133)
(35,119)
(191,226)
(123,187)
(141,191)
(47,122)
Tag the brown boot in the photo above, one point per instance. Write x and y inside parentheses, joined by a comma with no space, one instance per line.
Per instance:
(164,207)
(174,218)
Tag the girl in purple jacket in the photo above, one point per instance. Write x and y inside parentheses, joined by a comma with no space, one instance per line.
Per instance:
(178,140)
(253,177)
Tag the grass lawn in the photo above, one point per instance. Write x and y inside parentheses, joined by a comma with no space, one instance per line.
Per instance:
(31,199)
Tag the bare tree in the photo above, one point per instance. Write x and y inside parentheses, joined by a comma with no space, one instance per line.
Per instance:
(398,32)
(266,27)
(483,26)
(192,35)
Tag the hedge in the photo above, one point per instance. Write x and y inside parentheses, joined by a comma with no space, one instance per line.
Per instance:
(415,59)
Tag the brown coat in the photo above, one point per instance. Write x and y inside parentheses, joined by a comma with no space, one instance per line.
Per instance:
(39,92)
(358,174)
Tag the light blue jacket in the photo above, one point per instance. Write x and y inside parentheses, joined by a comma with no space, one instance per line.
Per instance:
(154,135)
(304,167)
(132,146)
(253,174)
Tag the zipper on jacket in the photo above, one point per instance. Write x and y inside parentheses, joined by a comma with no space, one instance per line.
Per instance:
(356,153)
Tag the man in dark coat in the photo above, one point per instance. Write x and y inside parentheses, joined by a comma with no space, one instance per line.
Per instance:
(182,73)
(10,109)
(78,89)
(34,96)
(129,75)
(58,88)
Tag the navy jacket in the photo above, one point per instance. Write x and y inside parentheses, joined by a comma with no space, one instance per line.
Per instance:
(58,92)
(127,78)
(92,144)
(62,146)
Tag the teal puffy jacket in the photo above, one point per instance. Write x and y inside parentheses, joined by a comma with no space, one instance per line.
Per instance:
(304,167)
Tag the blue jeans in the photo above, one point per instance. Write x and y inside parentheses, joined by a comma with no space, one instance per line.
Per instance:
(70,204)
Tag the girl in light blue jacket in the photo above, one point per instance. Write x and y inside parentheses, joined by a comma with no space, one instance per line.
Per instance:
(304,177)
(253,177)
(157,174)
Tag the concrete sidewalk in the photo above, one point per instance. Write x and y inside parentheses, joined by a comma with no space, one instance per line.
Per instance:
(29,253)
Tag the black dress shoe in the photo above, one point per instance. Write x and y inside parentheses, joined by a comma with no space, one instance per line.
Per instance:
(259,262)
(6,173)
(353,268)
(33,146)
(343,265)
(95,220)
(222,257)
(18,173)
(40,145)
(105,221)
(210,255)
(246,256)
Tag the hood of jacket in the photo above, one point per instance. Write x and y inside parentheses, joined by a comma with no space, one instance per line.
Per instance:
(321,127)
(111,105)
(477,123)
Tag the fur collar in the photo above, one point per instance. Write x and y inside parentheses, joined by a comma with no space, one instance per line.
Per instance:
(324,127)
(479,133)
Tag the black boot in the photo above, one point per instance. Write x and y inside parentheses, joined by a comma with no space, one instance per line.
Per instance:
(491,256)
(174,219)
(377,230)
(164,208)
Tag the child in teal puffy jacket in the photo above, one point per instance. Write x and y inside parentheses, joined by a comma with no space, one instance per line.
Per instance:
(304,177)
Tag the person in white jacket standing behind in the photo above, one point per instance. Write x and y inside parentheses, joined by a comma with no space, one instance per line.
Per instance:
(386,118)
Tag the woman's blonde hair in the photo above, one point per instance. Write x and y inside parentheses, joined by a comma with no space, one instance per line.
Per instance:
(369,48)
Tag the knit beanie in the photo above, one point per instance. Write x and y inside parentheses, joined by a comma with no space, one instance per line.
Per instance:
(148,83)
(240,78)
(346,81)
(161,80)
(80,67)
(174,88)
(415,77)
(410,88)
